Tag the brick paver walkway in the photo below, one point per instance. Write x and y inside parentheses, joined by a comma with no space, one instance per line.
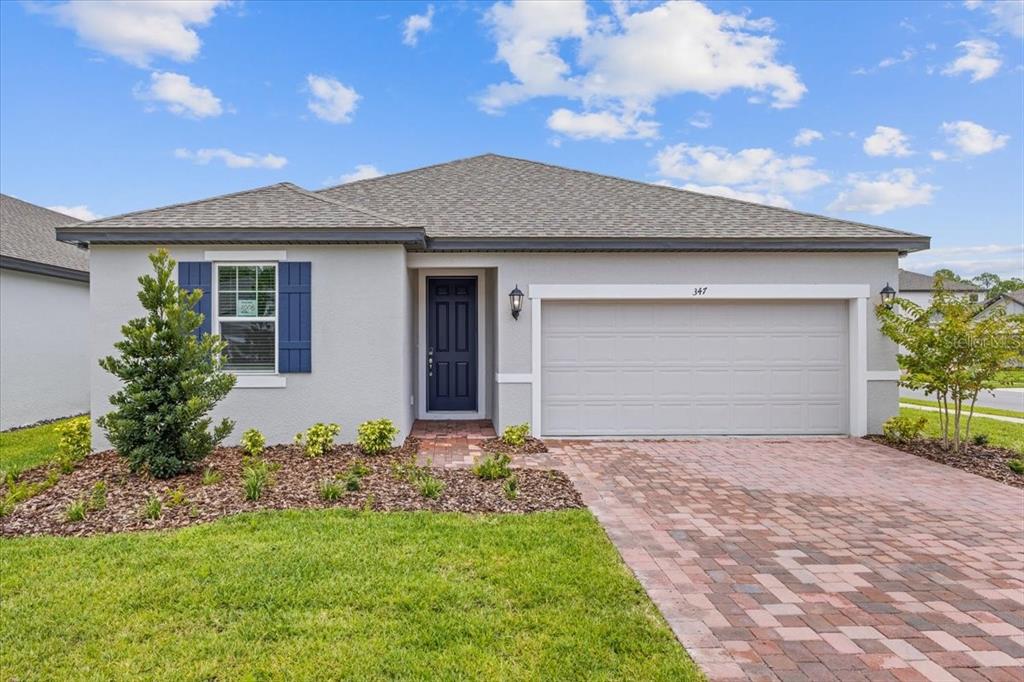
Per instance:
(810,559)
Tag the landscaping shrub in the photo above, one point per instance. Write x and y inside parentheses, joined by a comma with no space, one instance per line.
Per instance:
(360,469)
(98,496)
(493,467)
(429,487)
(376,436)
(902,430)
(176,497)
(511,488)
(210,476)
(1016,466)
(980,439)
(153,509)
(170,380)
(318,439)
(330,490)
(253,442)
(75,442)
(75,511)
(256,478)
(515,436)
(19,491)
(353,483)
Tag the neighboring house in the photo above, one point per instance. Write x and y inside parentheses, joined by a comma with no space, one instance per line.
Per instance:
(648,310)
(918,288)
(1012,302)
(44,317)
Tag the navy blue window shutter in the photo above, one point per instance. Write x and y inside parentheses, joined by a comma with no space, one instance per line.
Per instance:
(294,348)
(198,275)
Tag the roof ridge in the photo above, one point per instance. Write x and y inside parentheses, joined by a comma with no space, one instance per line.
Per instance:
(702,194)
(181,203)
(334,202)
(414,170)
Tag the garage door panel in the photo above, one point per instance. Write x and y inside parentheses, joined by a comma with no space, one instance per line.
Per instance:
(714,367)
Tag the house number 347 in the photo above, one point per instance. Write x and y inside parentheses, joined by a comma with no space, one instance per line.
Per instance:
(700,291)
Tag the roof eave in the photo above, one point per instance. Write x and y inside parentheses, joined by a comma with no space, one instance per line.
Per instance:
(37,268)
(410,236)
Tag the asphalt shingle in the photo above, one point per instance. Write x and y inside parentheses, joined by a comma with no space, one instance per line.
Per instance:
(915,281)
(27,233)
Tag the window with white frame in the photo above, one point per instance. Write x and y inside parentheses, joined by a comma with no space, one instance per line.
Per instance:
(247,315)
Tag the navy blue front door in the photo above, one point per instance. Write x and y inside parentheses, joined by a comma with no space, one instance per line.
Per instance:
(451,344)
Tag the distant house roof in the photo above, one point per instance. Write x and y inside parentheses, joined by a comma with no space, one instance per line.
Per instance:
(497,202)
(28,241)
(915,281)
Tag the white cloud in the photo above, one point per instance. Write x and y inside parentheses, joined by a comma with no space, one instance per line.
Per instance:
(806,136)
(601,125)
(1007,15)
(362,171)
(905,56)
(624,62)
(416,24)
(701,119)
(180,95)
(887,141)
(230,159)
(883,192)
(82,212)
(1005,260)
(137,32)
(759,175)
(938,155)
(332,101)
(980,59)
(971,138)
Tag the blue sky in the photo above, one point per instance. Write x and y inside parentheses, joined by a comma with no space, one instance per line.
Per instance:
(911,113)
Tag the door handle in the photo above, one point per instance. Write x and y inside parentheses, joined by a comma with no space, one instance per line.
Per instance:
(430,362)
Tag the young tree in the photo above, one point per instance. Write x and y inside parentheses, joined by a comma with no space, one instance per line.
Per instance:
(952,354)
(170,380)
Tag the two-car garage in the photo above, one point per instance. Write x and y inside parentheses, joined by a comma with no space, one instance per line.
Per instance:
(706,366)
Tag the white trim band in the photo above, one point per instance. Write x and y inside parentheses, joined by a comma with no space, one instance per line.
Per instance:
(513,378)
(253,255)
(696,292)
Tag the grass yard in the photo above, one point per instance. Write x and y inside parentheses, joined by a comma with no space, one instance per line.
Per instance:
(977,409)
(1011,378)
(26,448)
(1002,434)
(308,594)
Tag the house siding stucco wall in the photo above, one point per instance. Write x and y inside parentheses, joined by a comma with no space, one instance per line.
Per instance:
(44,367)
(361,345)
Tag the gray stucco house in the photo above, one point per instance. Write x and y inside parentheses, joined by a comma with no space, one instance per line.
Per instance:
(918,287)
(44,323)
(647,310)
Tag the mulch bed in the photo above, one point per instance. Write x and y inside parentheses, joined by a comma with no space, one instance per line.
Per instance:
(296,486)
(984,460)
(530,447)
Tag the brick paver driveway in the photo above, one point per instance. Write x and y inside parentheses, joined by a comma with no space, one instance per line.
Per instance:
(815,559)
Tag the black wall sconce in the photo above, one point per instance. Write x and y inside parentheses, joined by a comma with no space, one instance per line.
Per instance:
(515,299)
(888,295)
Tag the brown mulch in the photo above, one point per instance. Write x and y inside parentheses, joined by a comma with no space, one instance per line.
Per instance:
(530,447)
(984,460)
(296,486)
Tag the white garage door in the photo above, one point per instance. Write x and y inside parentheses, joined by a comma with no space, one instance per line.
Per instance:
(711,367)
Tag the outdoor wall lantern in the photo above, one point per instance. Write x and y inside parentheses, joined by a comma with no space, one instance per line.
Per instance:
(515,299)
(888,295)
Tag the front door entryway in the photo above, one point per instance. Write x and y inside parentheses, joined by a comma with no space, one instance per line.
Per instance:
(451,344)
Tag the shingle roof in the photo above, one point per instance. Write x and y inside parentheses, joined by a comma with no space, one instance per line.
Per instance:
(915,281)
(27,233)
(1017,296)
(280,206)
(493,196)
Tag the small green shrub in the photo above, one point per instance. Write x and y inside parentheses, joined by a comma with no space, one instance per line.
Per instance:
(153,509)
(253,442)
(257,476)
(429,487)
(318,439)
(376,436)
(176,497)
(902,430)
(330,490)
(980,439)
(359,469)
(511,488)
(210,476)
(75,511)
(75,442)
(493,467)
(353,483)
(18,492)
(98,496)
(1016,465)
(405,470)
(515,436)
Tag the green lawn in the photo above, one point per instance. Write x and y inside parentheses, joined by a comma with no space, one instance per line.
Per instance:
(315,594)
(977,409)
(26,448)
(1012,378)
(1003,434)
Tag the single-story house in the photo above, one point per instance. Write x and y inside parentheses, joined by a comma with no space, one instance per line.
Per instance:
(645,310)
(44,317)
(1011,301)
(918,288)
